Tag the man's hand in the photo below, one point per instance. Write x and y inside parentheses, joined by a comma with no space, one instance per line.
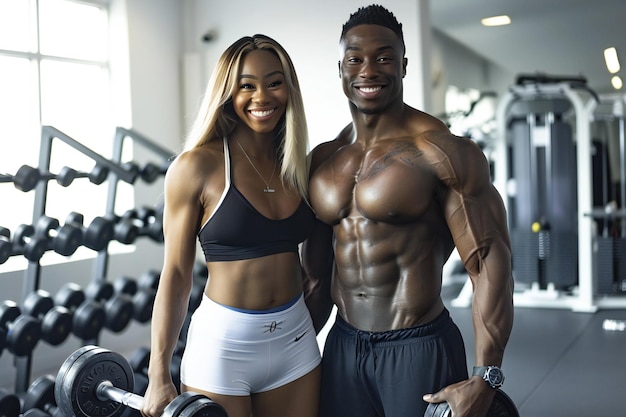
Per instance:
(469,398)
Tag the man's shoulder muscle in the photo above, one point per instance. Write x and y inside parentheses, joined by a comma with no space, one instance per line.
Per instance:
(325,150)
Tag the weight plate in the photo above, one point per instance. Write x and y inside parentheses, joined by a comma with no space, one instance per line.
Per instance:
(63,401)
(86,372)
(203,407)
(178,404)
(502,406)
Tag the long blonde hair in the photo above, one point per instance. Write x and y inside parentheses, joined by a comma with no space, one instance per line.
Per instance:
(217,118)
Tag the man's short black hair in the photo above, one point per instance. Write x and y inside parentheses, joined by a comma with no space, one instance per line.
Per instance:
(374,14)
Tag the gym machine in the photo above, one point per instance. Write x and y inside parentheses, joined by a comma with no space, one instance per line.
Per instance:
(609,253)
(546,167)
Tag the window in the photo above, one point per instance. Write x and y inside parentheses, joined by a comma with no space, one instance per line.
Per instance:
(54,70)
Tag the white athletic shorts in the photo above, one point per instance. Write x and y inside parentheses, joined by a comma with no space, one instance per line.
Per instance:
(233,352)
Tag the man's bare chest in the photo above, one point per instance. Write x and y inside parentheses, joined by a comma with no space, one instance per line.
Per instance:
(388,184)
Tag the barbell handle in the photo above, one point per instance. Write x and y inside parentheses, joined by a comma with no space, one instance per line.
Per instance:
(106,391)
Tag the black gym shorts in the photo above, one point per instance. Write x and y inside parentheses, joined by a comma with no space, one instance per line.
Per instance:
(372,374)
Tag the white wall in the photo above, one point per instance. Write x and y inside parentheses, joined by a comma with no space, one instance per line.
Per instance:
(309,31)
(453,64)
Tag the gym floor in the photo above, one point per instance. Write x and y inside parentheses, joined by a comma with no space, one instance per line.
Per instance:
(559,363)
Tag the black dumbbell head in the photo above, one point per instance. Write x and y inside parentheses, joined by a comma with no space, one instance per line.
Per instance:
(70,295)
(9,404)
(98,174)
(26,178)
(37,303)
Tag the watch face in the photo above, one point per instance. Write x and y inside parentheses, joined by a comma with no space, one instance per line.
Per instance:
(494,377)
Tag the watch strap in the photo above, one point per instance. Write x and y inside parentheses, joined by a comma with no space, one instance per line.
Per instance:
(479,371)
(485,371)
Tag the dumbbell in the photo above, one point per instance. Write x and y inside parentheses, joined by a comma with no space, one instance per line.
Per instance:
(151,171)
(6,247)
(9,404)
(142,297)
(118,307)
(27,243)
(501,406)
(89,316)
(23,332)
(133,168)
(95,381)
(40,396)
(97,235)
(25,179)
(133,223)
(33,241)
(152,218)
(67,175)
(64,240)
(55,321)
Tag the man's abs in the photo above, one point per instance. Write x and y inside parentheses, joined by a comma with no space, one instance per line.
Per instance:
(388,276)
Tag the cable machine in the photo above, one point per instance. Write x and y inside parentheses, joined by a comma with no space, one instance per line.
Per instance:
(610,216)
(551,175)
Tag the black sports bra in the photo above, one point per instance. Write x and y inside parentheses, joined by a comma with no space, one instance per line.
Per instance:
(236,230)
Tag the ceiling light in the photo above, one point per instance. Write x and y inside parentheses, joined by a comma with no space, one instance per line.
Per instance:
(616,81)
(496,20)
(612,62)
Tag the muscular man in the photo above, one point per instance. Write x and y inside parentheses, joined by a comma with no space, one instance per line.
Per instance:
(395,193)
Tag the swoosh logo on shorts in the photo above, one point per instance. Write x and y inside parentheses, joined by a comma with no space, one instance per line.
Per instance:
(299,337)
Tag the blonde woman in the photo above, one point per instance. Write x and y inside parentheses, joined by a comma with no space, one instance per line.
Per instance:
(240,188)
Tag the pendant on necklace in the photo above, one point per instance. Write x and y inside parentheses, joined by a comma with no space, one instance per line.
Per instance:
(267,189)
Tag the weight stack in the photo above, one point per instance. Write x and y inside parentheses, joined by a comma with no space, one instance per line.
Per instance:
(610,265)
(545,257)
(525,251)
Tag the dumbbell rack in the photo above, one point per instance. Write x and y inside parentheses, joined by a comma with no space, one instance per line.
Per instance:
(121,134)
(33,269)
(117,171)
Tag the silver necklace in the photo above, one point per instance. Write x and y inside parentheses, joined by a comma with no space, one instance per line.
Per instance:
(267,188)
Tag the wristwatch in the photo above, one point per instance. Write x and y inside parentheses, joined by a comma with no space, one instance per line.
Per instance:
(491,374)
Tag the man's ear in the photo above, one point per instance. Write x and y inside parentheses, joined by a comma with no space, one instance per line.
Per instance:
(339,68)
(404,64)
